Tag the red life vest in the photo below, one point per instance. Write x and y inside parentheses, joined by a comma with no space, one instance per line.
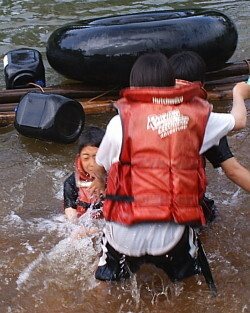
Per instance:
(84,200)
(160,175)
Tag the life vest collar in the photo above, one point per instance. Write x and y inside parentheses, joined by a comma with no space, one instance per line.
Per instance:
(183,91)
(83,179)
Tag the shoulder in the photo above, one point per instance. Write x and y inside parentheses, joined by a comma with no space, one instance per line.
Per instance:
(70,180)
(114,122)
(218,125)
(114,130)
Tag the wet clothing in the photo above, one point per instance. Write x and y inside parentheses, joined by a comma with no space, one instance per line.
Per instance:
(218,154)
(147,239)
(179,262)
(70,192)
(153,180)
(109,152)
(76,193)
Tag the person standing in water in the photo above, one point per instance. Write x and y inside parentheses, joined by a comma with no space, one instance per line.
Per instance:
(152,152)
(188,65)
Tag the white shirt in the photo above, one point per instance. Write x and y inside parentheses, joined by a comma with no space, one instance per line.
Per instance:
(151,238)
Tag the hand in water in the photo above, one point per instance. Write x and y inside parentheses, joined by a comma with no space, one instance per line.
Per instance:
(71,215)
(83,232)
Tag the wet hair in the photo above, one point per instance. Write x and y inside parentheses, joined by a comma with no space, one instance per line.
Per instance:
(152,70)
(188,65)
(90,137)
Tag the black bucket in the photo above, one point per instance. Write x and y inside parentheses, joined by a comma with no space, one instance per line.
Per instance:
(49,117)
(23,66)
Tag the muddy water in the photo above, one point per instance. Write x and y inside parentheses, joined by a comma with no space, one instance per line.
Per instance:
(43,267)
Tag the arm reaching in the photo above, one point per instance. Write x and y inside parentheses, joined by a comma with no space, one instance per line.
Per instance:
(237,173)
(98,185)
(241,91)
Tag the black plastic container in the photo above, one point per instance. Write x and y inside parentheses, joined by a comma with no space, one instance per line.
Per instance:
(49,117)
(23,66)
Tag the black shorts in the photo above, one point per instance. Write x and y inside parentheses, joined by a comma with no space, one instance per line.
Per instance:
(177,263)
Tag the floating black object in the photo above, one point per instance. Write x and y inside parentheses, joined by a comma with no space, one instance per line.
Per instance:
(49,117)
(102,51)
(23,66)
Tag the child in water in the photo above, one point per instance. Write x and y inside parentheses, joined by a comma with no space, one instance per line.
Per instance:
(77,197)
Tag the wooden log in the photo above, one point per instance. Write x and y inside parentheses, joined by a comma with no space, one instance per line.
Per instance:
(230,69)
(222,95)
(95,107)
(90,106)
(6,118)
(103,103)
(226,80)
(231,73)
(106,104)
(219,87)
(9,107)
(71,91)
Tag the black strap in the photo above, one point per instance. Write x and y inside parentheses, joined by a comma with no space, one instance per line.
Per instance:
(120,198)
(85,205)
(205,268)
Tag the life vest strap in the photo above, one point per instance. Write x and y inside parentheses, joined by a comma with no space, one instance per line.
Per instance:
(120,198)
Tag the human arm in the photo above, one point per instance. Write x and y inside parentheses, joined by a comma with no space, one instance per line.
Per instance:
(241,91)
(70,194)
(218,154)
(98,185)
(237,173)
(221,156)
(107,154)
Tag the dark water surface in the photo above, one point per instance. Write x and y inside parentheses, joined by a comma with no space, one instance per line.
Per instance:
(42,267)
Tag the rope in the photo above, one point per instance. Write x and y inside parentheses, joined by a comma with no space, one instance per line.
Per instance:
(102,94)
(36,85)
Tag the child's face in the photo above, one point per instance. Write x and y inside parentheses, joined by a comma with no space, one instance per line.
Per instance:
(87,157)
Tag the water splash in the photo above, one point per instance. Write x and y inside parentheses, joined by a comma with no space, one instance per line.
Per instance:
(72,259)
(22,278)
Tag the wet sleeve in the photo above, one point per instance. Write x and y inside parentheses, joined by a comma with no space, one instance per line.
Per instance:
(70,192)
(218,154)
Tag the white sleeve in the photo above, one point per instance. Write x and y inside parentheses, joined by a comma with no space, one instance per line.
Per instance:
(110,147)
(218,125)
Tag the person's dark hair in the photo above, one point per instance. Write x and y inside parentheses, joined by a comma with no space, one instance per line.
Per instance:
(90,137)
(188,65)
(152,70)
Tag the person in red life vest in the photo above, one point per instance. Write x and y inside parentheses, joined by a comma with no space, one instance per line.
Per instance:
(188,65)
(77,196)
(152,152)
